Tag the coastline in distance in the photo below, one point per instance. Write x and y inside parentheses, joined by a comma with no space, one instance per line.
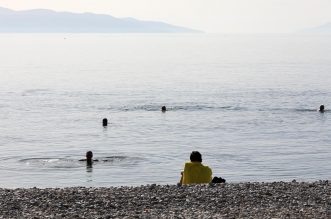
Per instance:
(48,21)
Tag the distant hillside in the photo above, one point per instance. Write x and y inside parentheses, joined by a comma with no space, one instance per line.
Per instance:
(326,28)
(41,20)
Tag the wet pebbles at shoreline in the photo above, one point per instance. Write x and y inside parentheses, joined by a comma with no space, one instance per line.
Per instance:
(230,200)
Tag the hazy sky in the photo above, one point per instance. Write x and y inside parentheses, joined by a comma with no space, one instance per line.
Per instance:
(224,16)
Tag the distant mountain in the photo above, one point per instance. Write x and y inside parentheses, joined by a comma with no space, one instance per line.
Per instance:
(42,20)
(326,28)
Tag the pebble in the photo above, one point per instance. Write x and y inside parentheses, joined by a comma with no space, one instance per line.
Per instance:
(231,200)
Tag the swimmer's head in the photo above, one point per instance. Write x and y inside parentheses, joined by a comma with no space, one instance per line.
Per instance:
(195,156)
(105,122)
(164,108)
(322,108)
(89,155)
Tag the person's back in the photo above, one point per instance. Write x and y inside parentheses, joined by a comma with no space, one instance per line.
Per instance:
(195,172)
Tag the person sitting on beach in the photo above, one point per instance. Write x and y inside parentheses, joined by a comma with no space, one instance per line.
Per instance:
(195,172)
(89,156)
(322,110)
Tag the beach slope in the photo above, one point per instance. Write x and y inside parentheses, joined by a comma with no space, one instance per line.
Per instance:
(240,200)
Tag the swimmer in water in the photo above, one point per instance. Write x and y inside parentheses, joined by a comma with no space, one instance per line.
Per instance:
(105,122)
(322,109)
(89,160)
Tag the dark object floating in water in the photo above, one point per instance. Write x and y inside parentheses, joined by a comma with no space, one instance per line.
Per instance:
(164,108)
(105,122)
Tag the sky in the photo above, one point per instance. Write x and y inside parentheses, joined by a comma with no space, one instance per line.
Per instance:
(212,16)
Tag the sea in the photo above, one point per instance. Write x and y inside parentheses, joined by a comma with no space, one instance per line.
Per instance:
(248,103)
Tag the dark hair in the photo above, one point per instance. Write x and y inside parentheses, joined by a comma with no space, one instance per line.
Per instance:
(105,122)
(89,154)
(321,107)
(195,156)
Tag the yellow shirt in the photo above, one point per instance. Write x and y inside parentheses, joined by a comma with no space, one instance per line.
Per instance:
(195,172)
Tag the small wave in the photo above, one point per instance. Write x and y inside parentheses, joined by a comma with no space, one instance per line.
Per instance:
(35,91)
(145,108)
(192,108)
(308,110)
(49,162)
(174,108)
(287,110)
(38,160)
(118,160)
(200,108)
(113,158)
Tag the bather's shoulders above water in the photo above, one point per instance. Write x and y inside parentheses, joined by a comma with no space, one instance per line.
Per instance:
(96,160)
(89,157)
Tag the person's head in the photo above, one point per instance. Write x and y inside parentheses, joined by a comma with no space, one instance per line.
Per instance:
(322,108)
(164,108)
(89,155)
(195,156)
(105,122)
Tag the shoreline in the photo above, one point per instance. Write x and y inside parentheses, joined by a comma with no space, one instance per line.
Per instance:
(229,200)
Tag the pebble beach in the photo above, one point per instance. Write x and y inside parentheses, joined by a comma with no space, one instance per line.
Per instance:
(229,200)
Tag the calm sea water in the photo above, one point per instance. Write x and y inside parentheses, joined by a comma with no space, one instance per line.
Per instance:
(247,103)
